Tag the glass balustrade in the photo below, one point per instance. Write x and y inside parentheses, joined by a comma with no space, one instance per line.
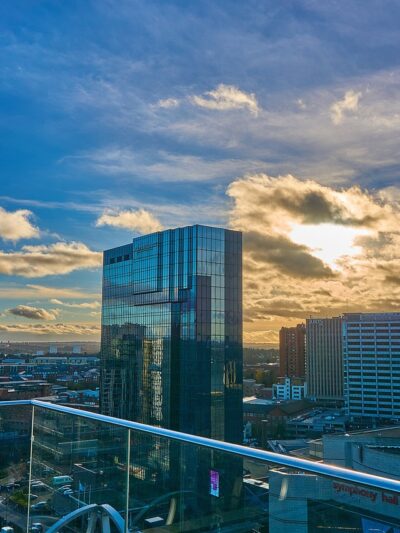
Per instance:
(88,470)
(15,431)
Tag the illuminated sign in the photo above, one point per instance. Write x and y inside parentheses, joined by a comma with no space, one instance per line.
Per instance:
(214,483)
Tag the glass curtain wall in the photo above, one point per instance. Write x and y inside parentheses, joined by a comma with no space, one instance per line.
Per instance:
(172,331)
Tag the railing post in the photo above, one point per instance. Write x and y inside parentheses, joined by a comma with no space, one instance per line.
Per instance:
(30,469)
(128,460)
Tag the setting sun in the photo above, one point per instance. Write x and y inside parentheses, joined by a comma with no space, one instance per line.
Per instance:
(329,242)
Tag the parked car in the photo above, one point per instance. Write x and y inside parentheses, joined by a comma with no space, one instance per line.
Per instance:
(12,486)
(38,485)
(36,527)
(39,506)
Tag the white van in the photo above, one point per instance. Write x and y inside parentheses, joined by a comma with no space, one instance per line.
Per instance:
(61,480)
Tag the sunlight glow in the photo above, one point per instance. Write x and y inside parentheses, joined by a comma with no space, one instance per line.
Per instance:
(329,242)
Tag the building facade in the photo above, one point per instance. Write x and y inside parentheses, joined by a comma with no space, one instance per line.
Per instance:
(171,352)
(289,389)
(371,349)
(292,349)
(324,359)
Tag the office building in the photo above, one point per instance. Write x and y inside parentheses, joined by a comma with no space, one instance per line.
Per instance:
(292,349)
(171,352)
(371,349)
(289,389)
(324,359)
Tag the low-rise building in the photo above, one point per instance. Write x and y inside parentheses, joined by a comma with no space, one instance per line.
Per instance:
(24,389)
(255,410)
(314,423)
(248,387)
(289,389)
(274,425)
(374,451)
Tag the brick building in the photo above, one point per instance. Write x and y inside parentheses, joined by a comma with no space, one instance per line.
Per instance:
(292,348)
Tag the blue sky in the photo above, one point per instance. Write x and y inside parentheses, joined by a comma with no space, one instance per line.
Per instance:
(159,114)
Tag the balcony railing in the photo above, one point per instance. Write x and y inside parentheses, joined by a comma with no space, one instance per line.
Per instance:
(63,469)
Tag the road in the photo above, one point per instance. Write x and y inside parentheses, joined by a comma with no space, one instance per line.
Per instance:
(11,515)
(18,518)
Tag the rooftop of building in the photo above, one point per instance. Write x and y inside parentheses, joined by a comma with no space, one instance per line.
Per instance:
(253,400)
(389,432)
(371,317)
(323,415)
(209,231)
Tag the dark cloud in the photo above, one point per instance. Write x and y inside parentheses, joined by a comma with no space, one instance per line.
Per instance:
(285,200)
(316,207)
(323,292)
(282,308)
(395,280)
(390,272)
(34,313)
(290,258)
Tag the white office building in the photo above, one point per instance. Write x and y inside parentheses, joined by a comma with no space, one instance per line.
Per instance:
(289,389)
(371,351)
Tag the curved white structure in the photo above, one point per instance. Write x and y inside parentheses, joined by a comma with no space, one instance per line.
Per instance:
(103,513)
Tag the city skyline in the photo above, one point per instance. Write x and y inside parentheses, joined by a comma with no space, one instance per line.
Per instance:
(278,121)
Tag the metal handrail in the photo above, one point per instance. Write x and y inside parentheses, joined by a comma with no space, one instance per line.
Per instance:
(303,465)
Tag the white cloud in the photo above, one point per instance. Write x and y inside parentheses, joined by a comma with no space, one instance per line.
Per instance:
(14,291)
(34,313)
(48,329)
(140,220)
(164,166)
(167,103)
(226,97)
(82,305)
(289,138)
(53,259)
(349,103)
(16,225)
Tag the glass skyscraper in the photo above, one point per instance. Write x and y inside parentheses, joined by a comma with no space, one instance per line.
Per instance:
(171,345)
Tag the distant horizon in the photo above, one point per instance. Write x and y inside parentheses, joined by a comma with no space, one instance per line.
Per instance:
(78,343)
